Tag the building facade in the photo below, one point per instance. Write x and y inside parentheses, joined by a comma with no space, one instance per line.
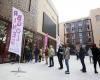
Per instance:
(38,21)
(78,31)
(95,18)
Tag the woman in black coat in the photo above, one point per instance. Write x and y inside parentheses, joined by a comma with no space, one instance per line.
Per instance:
(82,53)
(60,56)
(96,56)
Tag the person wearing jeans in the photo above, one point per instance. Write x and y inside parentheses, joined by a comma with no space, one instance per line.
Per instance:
(67,57)
(36,53)
(82,56)
(51,54)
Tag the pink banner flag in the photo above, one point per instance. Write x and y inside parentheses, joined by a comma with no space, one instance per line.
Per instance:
(46,41)
(16,32)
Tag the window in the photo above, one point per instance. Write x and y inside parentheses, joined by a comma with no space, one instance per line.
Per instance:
(89,40)
(80,29)
(80,34)
(68,24)
(73,41)
(3,30)
(67,35)
(81,40)
(80,23)
(97,17)
(89,34)
(72,28)
(73,36)
(88,27)
(68,41)
(72,24)
(67,29)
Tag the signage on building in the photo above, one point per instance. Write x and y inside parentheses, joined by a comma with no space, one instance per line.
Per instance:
(16,32)
(46,41)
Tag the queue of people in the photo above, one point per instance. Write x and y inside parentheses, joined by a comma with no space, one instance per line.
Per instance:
(63,54)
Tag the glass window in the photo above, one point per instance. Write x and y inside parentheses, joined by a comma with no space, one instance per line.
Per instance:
(80,34)
(3,30)
(67,35)
(72,24)
(88,27)
(73,41)
(81,40)
(80,29)
(89,40)
(73,36)
(97,17)
(72,28)
(89,34)
(79,23)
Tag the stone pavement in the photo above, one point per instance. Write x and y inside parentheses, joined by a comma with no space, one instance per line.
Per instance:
(40,71)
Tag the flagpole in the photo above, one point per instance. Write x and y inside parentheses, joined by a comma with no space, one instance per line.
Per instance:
(16,41)
(19,64)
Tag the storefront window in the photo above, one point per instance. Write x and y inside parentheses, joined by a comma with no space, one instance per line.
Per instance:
(3,30)
(28,36)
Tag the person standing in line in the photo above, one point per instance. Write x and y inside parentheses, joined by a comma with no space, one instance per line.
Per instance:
(46,54)
(96,57)
(67,57)
(82,56)
(30,51)
(60,54)
(90,55)
(40,55)
(43,54)
(36,53)
(26,52)
(77,51)
(51,54)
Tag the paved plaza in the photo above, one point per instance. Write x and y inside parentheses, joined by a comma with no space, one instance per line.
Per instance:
(40,71)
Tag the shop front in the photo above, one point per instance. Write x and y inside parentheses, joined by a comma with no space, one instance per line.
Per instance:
(5,29)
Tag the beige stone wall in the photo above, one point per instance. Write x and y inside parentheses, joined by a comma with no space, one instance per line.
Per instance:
(34,17)
(61,32)
(43,6)
(30,16)
(95,25)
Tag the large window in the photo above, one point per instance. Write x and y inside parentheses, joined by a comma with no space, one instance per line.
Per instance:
(3,27)
(48,26)
(97,17)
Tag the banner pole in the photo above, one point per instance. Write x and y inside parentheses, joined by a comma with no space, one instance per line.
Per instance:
(19,64)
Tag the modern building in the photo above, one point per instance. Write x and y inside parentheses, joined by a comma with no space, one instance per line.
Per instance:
(40,18)
(95,19)
(78,31)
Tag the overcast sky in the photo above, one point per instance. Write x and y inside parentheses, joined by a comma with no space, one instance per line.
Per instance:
(74,9)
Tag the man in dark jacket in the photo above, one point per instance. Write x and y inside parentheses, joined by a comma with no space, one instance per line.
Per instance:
(60,57)
(36,53)
(82,56)
(96,56)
